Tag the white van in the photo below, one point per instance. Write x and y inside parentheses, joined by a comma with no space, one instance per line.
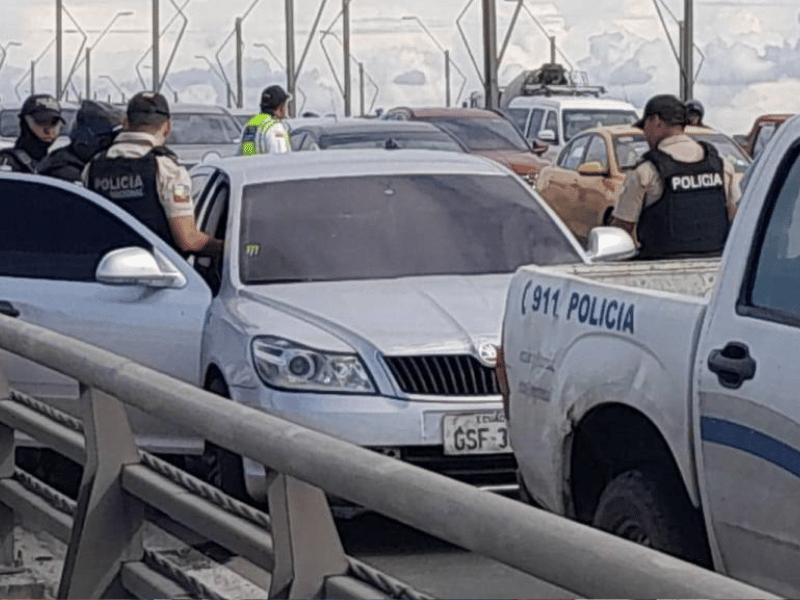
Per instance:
(555,119)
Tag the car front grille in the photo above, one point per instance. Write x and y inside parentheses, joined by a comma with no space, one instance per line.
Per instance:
(443,375)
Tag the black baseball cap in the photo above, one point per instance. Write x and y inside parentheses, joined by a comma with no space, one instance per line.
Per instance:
(273,96)
(666,106)
(42,107)
(148,103)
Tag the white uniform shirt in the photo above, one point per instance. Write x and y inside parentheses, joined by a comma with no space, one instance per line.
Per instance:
(272,137)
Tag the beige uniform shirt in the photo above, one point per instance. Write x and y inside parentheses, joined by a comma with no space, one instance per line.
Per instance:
(172,180)
(643,186)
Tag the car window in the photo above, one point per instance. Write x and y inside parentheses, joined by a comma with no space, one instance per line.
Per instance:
(727,148)
(764,135)
(359,227)
(433,140)
(596,151)
(536,122)
(49,233)
(519,116)
(776,277)
(297,140)
(577,120)
(552,124)
(201,128)
(575,155)
(629,150)
(483,134)
(9,123)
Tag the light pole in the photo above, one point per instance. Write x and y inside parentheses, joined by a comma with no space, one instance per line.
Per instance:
(32,71)
(447,60)
(280,64)
(237,31)
(5,52)
(114,83)
(59,34)
(87,57)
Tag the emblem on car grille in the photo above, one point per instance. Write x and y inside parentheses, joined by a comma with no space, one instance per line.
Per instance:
(487,354)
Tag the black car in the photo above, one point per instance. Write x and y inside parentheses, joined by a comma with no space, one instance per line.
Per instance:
(368,133)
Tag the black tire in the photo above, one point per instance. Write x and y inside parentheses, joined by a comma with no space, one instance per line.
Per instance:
(223,468)
(652,508)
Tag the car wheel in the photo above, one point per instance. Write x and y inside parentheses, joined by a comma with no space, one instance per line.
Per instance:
(651,508)
(223,468)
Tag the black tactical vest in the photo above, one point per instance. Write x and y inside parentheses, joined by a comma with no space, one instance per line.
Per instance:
(131,184)
(691,217)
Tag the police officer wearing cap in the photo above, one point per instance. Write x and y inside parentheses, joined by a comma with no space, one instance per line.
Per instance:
(96,126)
(141,175)
(265,133)
(694,113)
(681,197)
(40,123)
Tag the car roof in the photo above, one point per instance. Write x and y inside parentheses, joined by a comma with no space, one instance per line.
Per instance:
(367,126)
(463,113)
(343,163)
(210,109)
(571,102)
(631,130)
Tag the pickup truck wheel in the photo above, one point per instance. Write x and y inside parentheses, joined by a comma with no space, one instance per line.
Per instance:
(223,468)
(652,509)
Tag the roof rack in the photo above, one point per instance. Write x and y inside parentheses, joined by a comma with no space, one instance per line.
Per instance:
(543,89)
(551,79)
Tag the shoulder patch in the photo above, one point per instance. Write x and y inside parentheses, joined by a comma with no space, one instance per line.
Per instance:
(180,193)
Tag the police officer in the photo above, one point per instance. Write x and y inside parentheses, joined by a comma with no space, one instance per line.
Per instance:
(139,174)
(681,197)
(265,133)
(694,113)
(40,124)
(96,126)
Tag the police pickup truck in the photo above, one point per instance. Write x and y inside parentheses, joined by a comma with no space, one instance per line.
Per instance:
(661,400)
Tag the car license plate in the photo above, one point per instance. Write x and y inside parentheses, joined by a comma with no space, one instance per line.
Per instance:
(475,433)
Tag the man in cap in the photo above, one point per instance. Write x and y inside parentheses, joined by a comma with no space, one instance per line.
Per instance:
(680,198)
(264,133)
(694,113)
(141,175)
(40,123)
(96,126)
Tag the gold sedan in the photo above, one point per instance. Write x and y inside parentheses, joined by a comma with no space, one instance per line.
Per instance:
(584,183)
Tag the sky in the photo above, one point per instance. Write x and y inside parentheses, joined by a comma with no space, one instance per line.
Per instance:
(750,50)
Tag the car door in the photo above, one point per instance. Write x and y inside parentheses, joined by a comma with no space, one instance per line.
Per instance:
(596,191)
(748,396)
(563,187)
(52,237)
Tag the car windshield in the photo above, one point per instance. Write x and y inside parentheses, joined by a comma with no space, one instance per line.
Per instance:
(9,121)
(385,139)
(203,128)
(577,120)
(629,150)
(519,116)
(344,228)
(243,119)
(483,134)
(727,148)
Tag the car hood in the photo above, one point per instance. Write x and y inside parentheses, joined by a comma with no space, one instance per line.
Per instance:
(413,315)
(522,163)
(191,154)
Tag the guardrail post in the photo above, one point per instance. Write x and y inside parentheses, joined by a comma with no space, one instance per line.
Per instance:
(307,545)
(108,523)
(6,471)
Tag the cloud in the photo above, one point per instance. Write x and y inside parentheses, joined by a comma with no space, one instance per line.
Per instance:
(414,77)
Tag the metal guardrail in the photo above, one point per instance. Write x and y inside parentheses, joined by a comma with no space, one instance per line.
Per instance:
(297,542)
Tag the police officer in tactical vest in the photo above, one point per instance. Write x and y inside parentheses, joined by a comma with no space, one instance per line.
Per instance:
(141,175)
(265,133)
(40,123)
(681,197)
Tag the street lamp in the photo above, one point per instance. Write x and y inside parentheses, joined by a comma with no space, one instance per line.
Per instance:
(5,52)
(114,83)
(280,64)
(237,31)
(87,57)
(447,61)
(167,84)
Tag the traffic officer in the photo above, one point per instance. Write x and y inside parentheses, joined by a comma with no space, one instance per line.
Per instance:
(40,123)
(265,133)
(694,113)
(96,126)
(141,175)
(680,198)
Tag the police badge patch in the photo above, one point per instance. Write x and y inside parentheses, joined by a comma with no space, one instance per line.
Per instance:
(180,193)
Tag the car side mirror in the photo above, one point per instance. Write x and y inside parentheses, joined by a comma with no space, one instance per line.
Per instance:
(547,135)
(593,167)
(538,147)
(610,244)
(137,266)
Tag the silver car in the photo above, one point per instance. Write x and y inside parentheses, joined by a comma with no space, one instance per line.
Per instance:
(360,294)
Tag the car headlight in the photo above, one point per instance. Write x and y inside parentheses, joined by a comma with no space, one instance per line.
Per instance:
(285,364)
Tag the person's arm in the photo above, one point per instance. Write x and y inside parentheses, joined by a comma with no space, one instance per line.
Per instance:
(190,239)
(732,191)
(630,202)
